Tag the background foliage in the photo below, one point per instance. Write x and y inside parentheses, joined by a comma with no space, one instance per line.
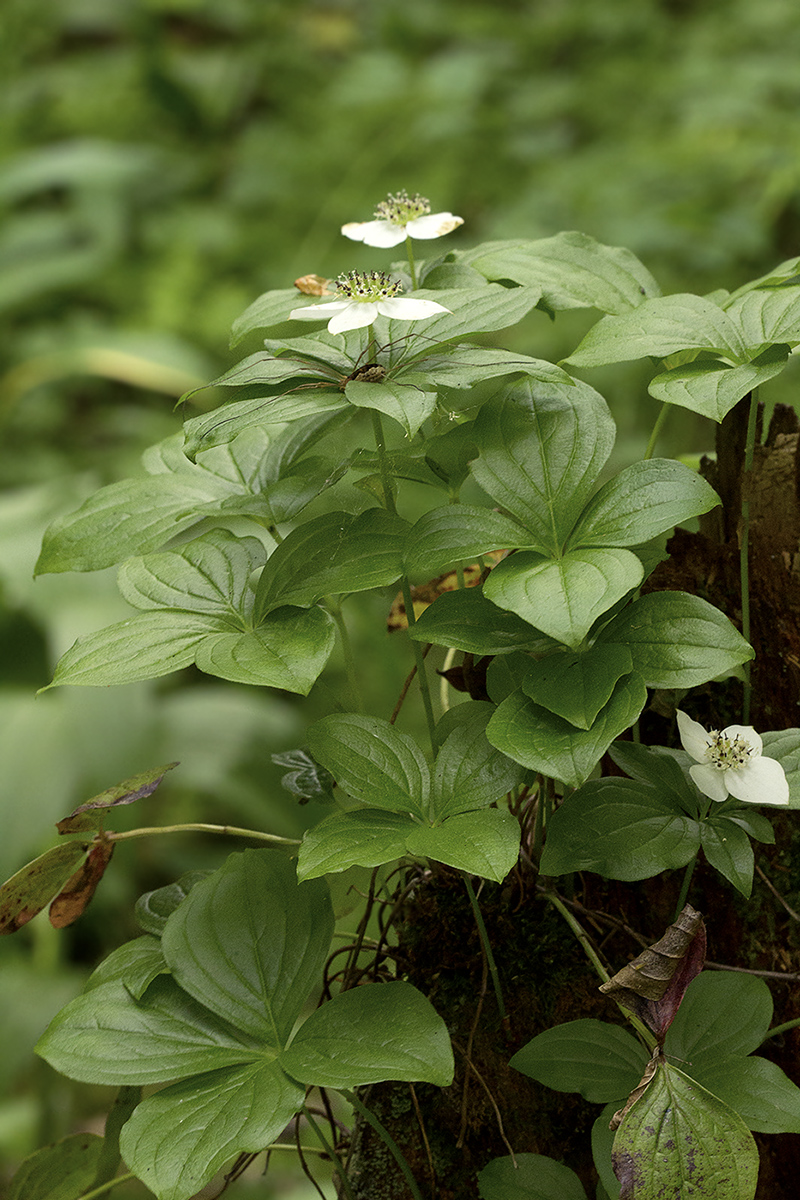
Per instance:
(164,162)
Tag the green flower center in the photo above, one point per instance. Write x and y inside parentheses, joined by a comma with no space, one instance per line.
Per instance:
(726,753)
(366,287)
(402,208)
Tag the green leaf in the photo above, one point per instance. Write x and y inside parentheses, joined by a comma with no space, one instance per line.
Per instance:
(767,316)
(728,850)
(765,1099)
(365,838)
(456,532)
(573,270)
(599,1060)
(528,1177)
(619,829)
(576,686)
(268,311)
(263,367)
(484,843)
(34,885)
(369,1034)
(332,554)
(372,761)
(544,742)
(289,651)
(641,502)
(225,423)
(210,574)
(461,366)
(63,1171)
(179,1138)
(713,388)
(136,964)
(660,327)
(541,450)
(466,620)
(602,1142)
(106,1036)
(471,310)
(784,745)
(677,640)
(662,768)
(722,1015)
(564,596)
(250,942)
(409,403)
(469,773)
(678,1136)
(153,908)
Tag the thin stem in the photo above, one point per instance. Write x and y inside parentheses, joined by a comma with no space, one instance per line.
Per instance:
(380,446)
(687,879)
(657,428)
(387,1138)
(337,1162)
(744,545)
(594,959)
(106,1187)
(412,270)
(486,947)
(335,610)
(201,827)
(784,1028)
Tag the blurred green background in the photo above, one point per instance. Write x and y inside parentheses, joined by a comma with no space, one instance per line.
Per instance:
(165,161)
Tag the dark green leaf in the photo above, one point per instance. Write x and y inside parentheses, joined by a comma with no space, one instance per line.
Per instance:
(484,843)
(599,1060)
(63,1171)
(458,532)
(372,761)
(765,1099)
(136,964)
(528,1177)
(467,621)
(727,848)
(469,772)
(153,908)
(577,685)
(723,1014)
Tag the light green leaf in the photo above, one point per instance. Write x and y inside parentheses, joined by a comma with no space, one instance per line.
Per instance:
(136,964)
(544,742)
(409,403)
(153,908)
(268,311)
(767,315)
(677,640)
(577,685)
(179,1138)
(63,1171)
(765,1099)
(461,366)
(210,574)
(469,773)
(599,1060)
(722,1015)
(677,1135)
(727,848)
(249,943)
(564,596)
(713,388)
(106,1036)
(641,502)
(372,761)
(225,423)
(263,367)
(364,838)
(528,1177)
(466,620)
(573,270)
(541,450)
(369,1034)
(658,328)
(330,555)
(289,651)
(472,310)
(484,843)
(456,532)
(619,829)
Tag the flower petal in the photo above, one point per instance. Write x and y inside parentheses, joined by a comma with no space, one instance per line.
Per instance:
(745,733)
(355,315)
(711,781)
(375,233)
(406,308)
(762,781)
(694,739)
(318,312)
(433,225)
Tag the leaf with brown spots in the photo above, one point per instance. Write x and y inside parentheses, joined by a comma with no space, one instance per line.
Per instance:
(135,788)
(26,893)
(79,889)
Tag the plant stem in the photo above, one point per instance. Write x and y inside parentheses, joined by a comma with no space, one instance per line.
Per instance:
(687,879)
(387,1138)
(106,1187)
(335,609)
(744,564)
(201,827)
(592,955)
(412,270)
(473,899)
(784,1028)
(331,1152)
(654,436)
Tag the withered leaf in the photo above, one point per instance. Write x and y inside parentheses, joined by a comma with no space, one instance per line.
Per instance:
(135,788)
(653,984)
(26,893)
(639,1090)
(79,889)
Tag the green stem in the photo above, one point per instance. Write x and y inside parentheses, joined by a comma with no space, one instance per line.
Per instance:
(784,1028)
(592,955)
(484,936)
(334,1157)
(411,265)
(335,610)
(106,1187)
(201,827)
(744,563)
(380,446)
(654,436)
(387,1138)
(687,879)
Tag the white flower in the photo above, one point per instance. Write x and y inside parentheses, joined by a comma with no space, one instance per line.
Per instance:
(364,296)
(401,216)
(731,762)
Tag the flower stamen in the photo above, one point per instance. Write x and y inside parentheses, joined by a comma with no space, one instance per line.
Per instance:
(367,287)
(401,208)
